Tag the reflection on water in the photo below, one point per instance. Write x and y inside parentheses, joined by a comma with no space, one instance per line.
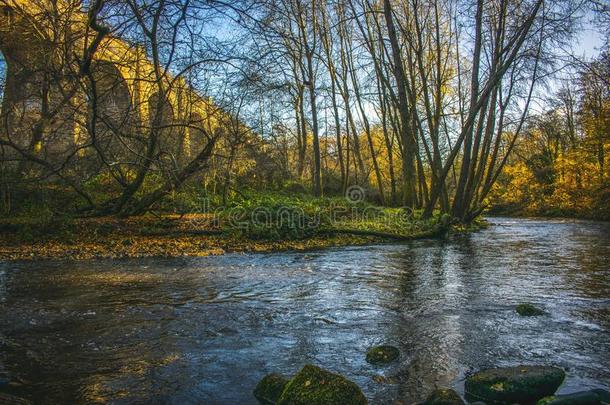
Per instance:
(207,329)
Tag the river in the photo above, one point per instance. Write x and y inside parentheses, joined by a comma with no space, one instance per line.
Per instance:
(205,330)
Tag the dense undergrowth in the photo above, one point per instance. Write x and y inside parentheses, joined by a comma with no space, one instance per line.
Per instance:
(47,223)
(273,215)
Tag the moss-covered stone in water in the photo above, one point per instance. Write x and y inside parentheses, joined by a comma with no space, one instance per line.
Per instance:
(444,396)
(315,386)
(270,388)
(529,310)
(382,354)
(591,397)
(521,384)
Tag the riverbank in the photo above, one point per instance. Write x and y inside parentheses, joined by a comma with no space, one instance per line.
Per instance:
(193,235)
(167,236)
(260,222)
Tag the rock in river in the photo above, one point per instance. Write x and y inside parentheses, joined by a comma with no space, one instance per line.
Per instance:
(443,396)
(315,386)
(270,388)
(521,384)
(382,354)
(528,310)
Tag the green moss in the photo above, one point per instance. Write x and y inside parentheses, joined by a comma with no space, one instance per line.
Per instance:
(546,400)
(444,396)
(382,354)
(445,220)
(528,310)
(315,386)
(270,388)
(277,216)
(521,384)
(475,225)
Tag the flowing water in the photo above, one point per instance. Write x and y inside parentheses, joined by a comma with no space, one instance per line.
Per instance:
(205,330)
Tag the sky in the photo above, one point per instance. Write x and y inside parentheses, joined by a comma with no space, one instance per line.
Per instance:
(589,40)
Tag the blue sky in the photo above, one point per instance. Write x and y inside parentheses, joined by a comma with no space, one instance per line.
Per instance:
(589,39)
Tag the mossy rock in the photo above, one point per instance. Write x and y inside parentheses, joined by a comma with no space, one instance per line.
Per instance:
(270,388)
(529,310)
(444,396)
(521,384)
(591,397)
(315,386)
(382,354)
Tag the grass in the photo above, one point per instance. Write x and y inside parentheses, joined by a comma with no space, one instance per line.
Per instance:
(279,216)
(250,222)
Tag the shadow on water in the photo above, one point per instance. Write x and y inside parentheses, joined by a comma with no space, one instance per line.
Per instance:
(207,329)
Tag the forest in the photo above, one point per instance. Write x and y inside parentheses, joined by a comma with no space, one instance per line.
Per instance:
(433,111)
